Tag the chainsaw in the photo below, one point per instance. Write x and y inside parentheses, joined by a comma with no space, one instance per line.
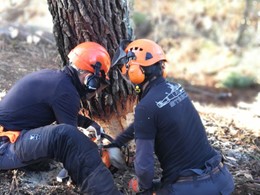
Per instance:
(107,154)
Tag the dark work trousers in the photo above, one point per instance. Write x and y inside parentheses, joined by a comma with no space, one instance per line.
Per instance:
(218,182)
(66,144)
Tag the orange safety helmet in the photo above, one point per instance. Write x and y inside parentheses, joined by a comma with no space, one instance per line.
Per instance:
(147,53)
(85,55)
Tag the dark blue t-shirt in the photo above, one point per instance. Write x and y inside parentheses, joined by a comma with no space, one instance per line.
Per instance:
(39,99)
(166,115)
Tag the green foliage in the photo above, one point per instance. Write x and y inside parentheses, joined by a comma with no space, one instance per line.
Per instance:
(139,18)
(237,80)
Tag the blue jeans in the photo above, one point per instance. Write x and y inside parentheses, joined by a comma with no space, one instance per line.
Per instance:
(208,181)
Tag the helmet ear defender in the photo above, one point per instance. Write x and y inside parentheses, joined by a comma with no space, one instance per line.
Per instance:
(92,82)
(136,74)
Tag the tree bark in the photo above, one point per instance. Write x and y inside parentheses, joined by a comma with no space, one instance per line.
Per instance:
(107,23)
(244,26)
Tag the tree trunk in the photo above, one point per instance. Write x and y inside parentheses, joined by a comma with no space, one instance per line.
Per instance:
(244,25)
(107,23)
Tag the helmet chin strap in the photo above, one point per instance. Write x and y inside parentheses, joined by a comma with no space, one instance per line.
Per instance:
(97,67)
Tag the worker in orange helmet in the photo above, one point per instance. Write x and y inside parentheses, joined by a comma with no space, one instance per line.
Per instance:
(167,124)
(28,133)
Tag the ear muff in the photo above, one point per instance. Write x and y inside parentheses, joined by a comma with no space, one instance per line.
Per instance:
(92,83)
(136,74)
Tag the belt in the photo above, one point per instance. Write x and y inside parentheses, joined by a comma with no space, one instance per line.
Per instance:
(196,177)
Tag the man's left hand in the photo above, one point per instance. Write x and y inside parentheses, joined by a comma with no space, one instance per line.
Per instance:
(134,186)
(93,131)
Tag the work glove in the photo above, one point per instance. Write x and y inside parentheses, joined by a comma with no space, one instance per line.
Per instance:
(133,185)
(93,131)
(135,188)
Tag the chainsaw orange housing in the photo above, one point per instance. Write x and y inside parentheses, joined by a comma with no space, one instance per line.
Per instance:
(105,158)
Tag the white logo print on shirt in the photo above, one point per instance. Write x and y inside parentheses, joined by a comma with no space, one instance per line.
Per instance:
(175,96)
(34,137)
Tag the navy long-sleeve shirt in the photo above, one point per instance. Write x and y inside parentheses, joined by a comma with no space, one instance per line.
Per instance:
(39,99)
(167,123)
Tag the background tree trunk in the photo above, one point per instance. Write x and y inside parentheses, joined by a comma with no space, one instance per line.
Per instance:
(105,22)
(244,25)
